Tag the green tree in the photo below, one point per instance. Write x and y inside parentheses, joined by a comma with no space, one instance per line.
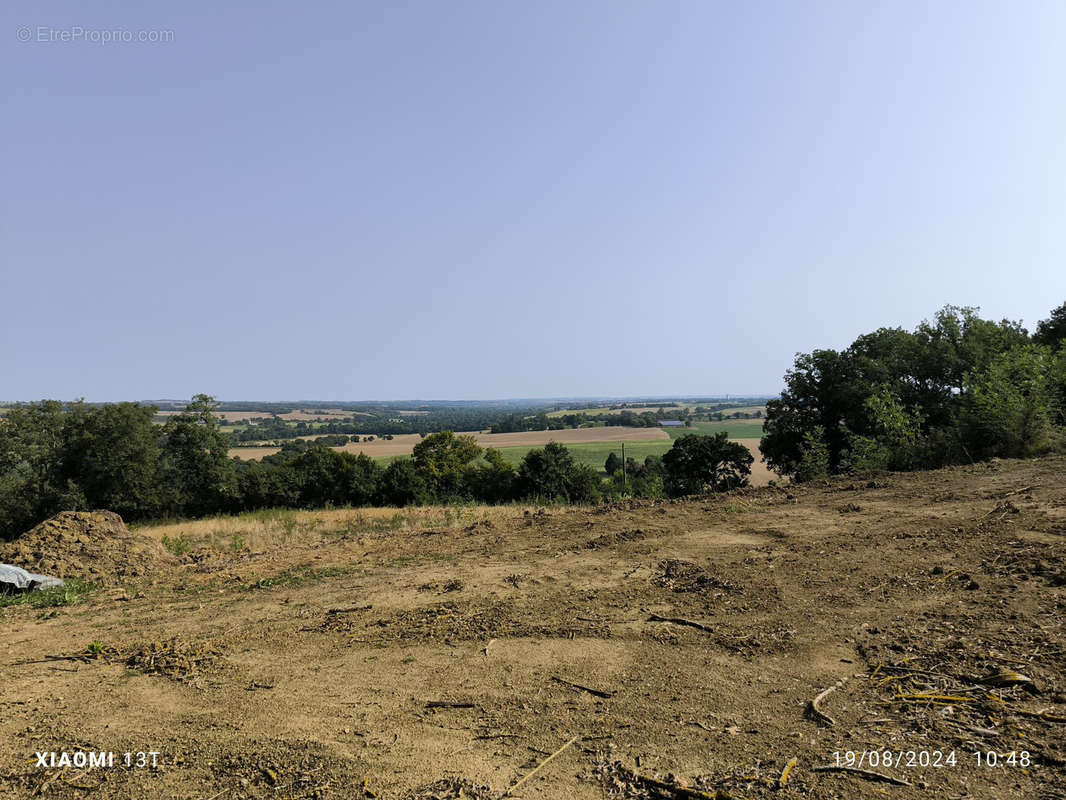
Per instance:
(1051,332)
(1008,404)
(697,464)
(32,481)
(822,396)
(402,484)
(196,469)
(895,438)
(442,459)
(113,453)
(612,464)
(550,473)
(493,481)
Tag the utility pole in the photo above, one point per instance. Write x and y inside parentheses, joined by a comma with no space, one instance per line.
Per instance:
(623,465)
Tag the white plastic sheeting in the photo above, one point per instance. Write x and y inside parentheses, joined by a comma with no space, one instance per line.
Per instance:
(19,580)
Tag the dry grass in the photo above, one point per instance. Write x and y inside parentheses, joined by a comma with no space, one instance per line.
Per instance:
(260,530)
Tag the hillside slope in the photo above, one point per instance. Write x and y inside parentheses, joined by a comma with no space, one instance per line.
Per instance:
(351,654)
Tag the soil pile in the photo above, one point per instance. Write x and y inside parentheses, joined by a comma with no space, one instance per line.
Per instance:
(93,545)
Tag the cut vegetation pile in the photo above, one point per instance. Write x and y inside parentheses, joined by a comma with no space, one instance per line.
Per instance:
(91,545)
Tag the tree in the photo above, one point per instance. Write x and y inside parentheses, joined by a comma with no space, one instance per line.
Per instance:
(112,453)
(1008,404)
(1052,331)
(442,460)
(196,470)
(821,394)
(493,481)
(32,484)
(895,439)
(545,472)
(402,484)
(892,399)
(550,473)
(612,464)
(697,464)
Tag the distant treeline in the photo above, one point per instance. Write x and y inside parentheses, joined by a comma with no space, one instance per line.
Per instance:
(955,390)
(381,423)
(56,457)
(387,420)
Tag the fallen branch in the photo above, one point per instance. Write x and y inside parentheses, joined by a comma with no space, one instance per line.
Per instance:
(352,610)
(866,773)
(813,706)
(538,768)
(447,704)
(580,688)
(680,621)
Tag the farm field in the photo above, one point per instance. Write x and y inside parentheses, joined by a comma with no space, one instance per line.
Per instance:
(733,428)
(585,444)
(660,649)
(321,415)
(657,409)
(403,444)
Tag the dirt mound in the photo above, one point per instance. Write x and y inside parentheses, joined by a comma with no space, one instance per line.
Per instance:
(93,545)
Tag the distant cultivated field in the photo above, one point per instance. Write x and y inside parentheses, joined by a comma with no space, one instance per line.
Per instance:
(663,409)
(292,416)
(589,446)
(403,444)
(734,429)
(228,416)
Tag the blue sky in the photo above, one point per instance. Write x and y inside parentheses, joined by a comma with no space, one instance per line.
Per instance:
(504,199)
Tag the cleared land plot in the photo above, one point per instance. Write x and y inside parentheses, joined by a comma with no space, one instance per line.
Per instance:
(347,654)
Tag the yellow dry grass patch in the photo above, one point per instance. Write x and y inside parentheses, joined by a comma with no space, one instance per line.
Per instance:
(274,528)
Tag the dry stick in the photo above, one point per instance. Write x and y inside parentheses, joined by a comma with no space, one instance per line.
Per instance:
(538,768)
(813,708)
(352,610)
(579,687)
(680,621)
(447,704)
(874,776)
(791,765)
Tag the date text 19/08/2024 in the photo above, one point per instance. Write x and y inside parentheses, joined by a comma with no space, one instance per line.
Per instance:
(928,759)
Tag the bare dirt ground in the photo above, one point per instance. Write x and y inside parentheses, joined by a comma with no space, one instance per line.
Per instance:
(403,444)
(675,647)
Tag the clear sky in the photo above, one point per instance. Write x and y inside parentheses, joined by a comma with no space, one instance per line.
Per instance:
(449,199)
